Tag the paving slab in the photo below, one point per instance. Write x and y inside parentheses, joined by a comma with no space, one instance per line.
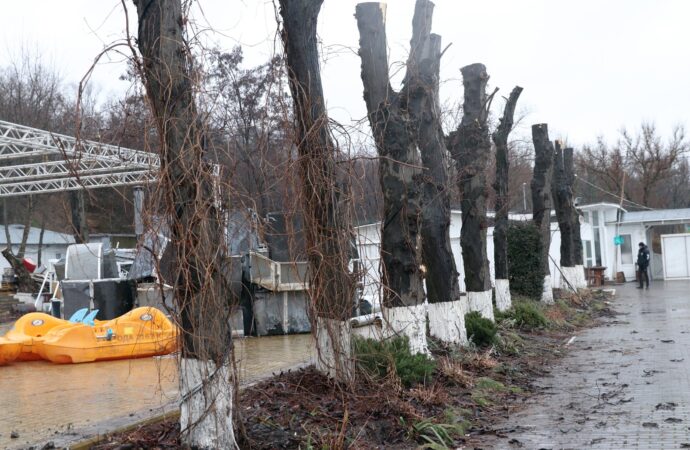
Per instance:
(624,385)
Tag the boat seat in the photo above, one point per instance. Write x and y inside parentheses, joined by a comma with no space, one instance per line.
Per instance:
(88,320)
(78,315)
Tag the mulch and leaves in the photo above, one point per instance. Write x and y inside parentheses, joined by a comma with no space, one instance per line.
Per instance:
(468,391)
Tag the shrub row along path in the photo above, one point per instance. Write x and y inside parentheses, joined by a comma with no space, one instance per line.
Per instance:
(624,385)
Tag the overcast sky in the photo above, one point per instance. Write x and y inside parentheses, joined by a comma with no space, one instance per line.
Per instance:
(588,67)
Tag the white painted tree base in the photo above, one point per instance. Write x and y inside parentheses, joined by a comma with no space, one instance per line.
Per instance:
(334,360)
(502,291)
(447,321)
(409,321)
(568,279)
(481,301)
(206,408)
(581,281)
(547,292)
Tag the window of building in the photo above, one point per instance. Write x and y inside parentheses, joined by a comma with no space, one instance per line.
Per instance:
(626,249)
(589,261)
(597,247)
(595,218)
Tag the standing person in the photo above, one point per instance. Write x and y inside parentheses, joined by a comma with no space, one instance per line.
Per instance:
(643,264)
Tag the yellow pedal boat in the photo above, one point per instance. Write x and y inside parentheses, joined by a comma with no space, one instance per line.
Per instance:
(19,343)
(139,333)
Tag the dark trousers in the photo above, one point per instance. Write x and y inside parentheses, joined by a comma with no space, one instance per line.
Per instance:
(644,277)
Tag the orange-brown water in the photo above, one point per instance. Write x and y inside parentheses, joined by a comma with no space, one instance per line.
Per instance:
(39,398)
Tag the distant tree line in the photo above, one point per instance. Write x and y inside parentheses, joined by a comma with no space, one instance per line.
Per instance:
(249,133)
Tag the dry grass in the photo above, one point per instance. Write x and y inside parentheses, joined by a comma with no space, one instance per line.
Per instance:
(480,361)
(434,395)
(454,371)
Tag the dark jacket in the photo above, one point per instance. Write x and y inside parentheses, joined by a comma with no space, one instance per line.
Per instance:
(643,257)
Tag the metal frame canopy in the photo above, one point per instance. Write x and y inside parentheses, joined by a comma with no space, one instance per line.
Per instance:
(67,163)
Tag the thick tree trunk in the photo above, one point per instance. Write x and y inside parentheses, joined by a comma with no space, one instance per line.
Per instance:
(327,226)
(470,146)
(541,198)
(422,89)
(500,138)
(579,273)
(206,377)
(399,173)
(79,225)
(563,204)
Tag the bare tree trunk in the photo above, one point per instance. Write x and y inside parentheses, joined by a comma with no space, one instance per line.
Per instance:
(5,219)
(446,312)
(79,225)
(27,228)
(470,146)
(24,281)
(40,241)
(206,375)
(328,227)
(563,204)
(578,272)
(399,173)
(500,138)
(541,198)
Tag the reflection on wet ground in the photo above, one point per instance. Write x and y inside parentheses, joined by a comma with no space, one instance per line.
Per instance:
(624,385)
(39,399)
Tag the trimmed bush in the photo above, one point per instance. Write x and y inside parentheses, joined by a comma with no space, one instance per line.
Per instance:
(481,331)
(378,359)
(525,268)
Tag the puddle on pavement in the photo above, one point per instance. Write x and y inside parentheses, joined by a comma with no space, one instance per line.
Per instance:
(38,398)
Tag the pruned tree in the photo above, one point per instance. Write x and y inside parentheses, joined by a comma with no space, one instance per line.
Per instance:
(445,309)
(399,174)
(327,224)
(206,377)
(502,204)
(563,204)
(470,147)
(576,238)
(541,198)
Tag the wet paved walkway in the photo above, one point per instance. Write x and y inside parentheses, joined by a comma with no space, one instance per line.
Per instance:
(625,385)
(42,401)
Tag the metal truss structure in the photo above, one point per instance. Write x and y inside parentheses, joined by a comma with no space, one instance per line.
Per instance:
(66,163)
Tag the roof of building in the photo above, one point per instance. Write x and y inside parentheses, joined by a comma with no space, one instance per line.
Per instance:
(49,237)
(599,205)
(657,215)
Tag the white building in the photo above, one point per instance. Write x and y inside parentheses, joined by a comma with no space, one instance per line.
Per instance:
(667,232)
(54,244)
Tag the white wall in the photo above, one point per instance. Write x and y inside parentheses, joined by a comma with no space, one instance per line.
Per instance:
(50,251)
(368,238)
